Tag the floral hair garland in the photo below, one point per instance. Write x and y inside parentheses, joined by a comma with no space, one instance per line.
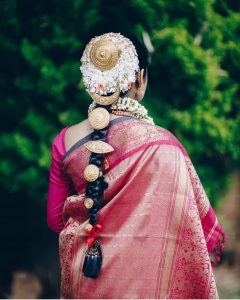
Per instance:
(128,104)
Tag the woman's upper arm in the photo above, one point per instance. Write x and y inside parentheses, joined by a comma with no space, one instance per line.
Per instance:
(58,188)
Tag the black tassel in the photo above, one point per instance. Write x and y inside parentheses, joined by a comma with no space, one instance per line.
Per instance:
(93,260)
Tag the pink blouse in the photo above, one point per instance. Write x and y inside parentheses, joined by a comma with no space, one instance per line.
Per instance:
(59,187)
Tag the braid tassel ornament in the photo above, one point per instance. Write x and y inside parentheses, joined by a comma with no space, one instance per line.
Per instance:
(93,256)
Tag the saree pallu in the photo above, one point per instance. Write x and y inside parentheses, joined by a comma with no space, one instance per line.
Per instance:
(158,225)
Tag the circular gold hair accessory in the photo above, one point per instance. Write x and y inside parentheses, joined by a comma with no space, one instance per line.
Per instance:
(99,118)
(98,147)
(104,54)
(88,202)
(89,227)
(106,100)
(91,172)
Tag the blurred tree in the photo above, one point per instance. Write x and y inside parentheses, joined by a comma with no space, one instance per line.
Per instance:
(193,91)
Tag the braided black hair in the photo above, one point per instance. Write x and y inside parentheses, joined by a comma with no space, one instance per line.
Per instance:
(96,188)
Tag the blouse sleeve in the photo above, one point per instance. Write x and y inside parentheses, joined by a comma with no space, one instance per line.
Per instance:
(59,187)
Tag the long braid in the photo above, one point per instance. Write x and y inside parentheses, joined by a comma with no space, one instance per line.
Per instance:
(109,65)
(96,188)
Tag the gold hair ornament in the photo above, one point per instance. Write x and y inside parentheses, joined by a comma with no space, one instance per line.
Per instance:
(89,227)
(88,203)
(99,118)
(99,147)
(91,172)
(105,100)
(104,54)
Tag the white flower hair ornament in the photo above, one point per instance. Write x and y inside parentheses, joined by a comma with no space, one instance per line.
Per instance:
(109,65)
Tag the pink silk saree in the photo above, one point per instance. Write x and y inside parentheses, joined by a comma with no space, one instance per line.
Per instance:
(158,225)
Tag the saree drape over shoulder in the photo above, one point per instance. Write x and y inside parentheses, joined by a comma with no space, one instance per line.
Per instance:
(158,224)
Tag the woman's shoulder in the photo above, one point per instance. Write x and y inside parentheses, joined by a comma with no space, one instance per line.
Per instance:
(68,135)
(153,131)
(163,131)
(168,137)
(58,144)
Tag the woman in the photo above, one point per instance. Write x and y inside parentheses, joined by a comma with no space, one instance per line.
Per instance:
(133,217)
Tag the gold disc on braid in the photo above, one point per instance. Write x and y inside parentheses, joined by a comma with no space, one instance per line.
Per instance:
(89,227)
(104,55)
(99,147)
(88,202)
(99,118)
(91,172)
(106,100)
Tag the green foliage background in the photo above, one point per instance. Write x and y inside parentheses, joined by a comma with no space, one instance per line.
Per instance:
(193,91)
